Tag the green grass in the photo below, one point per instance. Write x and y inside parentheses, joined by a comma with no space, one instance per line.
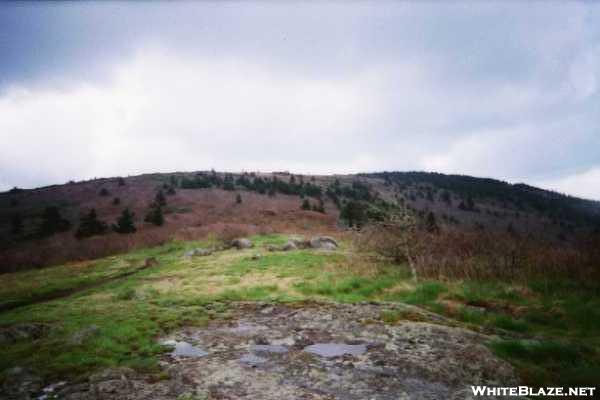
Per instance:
(131,312)
(564,319)
(551,362)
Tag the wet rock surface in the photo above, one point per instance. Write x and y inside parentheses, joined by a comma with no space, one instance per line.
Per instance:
(312,351)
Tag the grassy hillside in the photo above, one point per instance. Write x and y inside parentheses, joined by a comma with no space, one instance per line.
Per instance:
(39,227)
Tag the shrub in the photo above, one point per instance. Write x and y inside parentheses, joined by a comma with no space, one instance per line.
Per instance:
(121,181)
(104,192)
(116,201)
(238,199)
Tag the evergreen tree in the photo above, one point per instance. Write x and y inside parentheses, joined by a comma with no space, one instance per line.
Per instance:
(353,212)
(53,222)
(174,182)
(238,199)
(446,197)
(16,224)
(90,226)
(155,215)
(320,207)
(228,183)
(305,205)
(431,225)
(160,199)
(171,191)
(125,222)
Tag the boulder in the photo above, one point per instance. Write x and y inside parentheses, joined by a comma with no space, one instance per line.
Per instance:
(290,245)
(323,242)
(242,243)
(300,243)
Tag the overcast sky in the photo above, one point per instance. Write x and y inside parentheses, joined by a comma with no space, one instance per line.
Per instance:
(507,90)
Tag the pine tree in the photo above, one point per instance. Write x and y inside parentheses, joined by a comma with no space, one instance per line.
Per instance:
(171,191)
(155,215)
(16,224)
(53,222)
(353,212)
(125,222)
(160,198)
(305,205)
(228,183)
(431,224)
(90,226)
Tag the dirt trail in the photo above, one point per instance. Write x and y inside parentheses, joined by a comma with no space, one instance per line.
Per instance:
(62,293)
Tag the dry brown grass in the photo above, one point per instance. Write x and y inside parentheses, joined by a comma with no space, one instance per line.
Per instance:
(481,255)
(191,215)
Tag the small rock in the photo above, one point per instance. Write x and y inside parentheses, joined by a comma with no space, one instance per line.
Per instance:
(79,337)
(242,243)
(21,383)
(198,252)
(25,331)
(112,374)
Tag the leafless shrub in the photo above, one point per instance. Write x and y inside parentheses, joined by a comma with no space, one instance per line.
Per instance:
(454,254)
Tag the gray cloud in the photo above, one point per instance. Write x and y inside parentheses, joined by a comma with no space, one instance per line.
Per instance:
(508,90)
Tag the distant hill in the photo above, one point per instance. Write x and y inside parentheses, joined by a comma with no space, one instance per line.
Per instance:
(38,226)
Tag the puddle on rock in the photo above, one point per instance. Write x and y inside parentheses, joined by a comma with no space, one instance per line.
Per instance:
(252,360)
(184,349)
(329,350)
(269,348)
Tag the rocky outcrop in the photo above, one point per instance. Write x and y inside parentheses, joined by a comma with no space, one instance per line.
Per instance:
(317,351)
(24,331)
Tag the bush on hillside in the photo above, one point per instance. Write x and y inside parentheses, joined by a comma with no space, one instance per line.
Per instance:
(90,226)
